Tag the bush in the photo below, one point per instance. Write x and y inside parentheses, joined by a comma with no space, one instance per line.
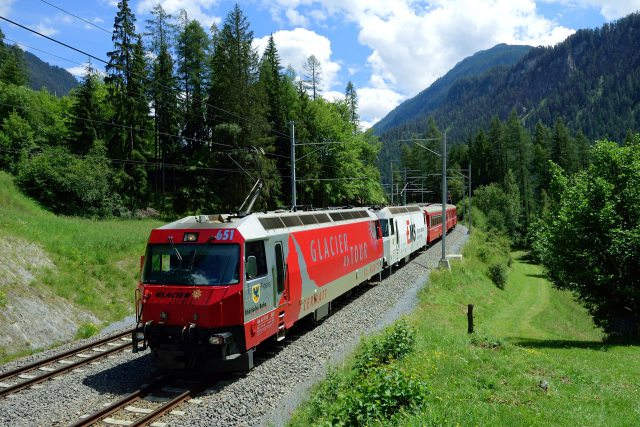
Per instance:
(376,397)
(394,344)
(86,330)
(498,275)
(68,184)
(376,388)
(3,299)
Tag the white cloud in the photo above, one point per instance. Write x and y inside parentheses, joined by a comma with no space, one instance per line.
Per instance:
(375,103)
(78,71)
(196,9)
(296,18)
(609,9)
(5,7)
(45,29)
(413,42)
(296,46)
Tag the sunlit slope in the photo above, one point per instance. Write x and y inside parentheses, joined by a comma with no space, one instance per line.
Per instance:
(88,265)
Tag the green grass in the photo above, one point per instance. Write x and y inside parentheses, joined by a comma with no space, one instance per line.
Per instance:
(527,333)
(97,262)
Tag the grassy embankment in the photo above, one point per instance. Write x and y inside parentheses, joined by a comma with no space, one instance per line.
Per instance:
(527,336)
(96,261)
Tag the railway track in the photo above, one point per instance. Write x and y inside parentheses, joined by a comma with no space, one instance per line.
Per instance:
(27,376)
(146,404)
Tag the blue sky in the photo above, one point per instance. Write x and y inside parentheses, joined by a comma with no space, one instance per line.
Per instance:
(390,49)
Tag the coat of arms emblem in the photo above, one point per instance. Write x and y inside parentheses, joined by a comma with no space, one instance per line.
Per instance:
(255,293)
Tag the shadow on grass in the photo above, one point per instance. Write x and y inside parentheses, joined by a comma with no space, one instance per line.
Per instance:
(537,276)
(527,258)
(569,344)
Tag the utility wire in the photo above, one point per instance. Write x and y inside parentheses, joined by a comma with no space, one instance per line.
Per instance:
(102,73)
(143,77)
(139,162)
(274,131)
(76,16)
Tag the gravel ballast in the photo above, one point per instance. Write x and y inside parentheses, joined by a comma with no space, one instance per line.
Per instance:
(265,396)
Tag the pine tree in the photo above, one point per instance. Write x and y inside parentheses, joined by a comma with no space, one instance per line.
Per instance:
(13,69)
(312,76)
(278,98)
(164,95)
(192,50)
(237,117)
(86,126)
(351,98)
(519,144)
(563,150)
(125,78)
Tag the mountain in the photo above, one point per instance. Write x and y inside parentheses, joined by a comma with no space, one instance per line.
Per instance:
(429,99)
(591,81)
(42,75)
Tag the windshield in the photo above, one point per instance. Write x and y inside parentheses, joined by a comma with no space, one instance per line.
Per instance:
(192,264)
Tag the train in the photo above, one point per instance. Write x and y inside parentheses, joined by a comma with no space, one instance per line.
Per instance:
(213,287)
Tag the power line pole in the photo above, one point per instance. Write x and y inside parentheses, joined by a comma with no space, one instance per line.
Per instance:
(391,169)
(469,219)
(293,166)
(404,192)
(444,262)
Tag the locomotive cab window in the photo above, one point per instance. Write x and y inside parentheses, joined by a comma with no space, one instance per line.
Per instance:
(384,224)
(256,249)
(192,264)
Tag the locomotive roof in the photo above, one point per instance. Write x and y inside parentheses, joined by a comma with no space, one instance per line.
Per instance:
(261,223)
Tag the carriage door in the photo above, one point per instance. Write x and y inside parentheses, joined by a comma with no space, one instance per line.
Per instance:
(278,272)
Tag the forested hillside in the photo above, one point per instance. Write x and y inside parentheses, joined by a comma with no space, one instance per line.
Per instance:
(183,121)
(591,81)
(430,99)
(42,75)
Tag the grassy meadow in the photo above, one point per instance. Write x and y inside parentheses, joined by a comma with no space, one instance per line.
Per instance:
(96,261)
(535,358)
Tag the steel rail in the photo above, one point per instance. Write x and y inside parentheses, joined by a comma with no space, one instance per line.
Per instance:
(132,397)
(64,355)
(140,394)
(68,367)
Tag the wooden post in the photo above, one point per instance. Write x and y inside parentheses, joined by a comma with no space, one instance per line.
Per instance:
(470,318)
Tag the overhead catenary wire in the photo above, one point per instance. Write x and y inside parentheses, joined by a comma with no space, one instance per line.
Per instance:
(156,83)
(235,115)
(102,73)
(274,131)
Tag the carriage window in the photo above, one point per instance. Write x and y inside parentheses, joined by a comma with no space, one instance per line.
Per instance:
(257,250)
(391,227)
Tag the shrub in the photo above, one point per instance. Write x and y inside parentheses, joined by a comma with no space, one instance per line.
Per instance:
(3,299)
(86,330)
(376,397)
(394,344)
(498,275)
(68,184)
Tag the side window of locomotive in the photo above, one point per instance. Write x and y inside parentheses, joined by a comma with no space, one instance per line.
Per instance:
(391,232)
(256,249)
(161,262)
(384,224)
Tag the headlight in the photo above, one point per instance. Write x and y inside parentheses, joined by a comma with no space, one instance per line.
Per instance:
(216,340)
